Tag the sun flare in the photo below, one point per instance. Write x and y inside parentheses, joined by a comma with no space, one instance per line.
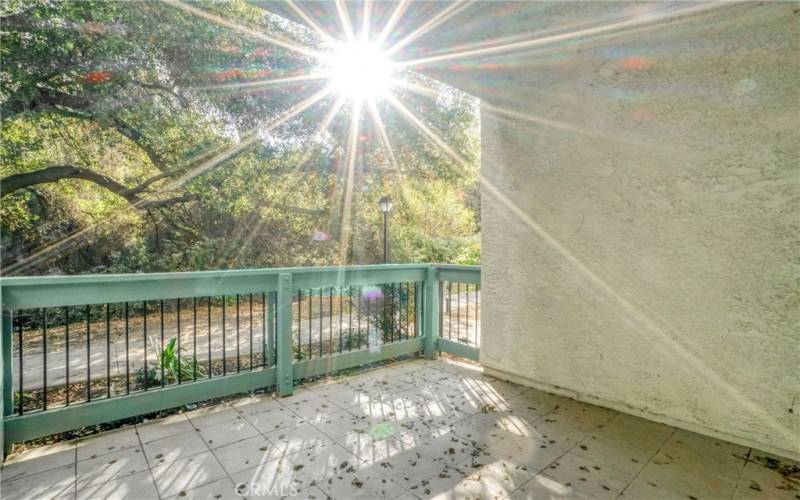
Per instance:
(360,70)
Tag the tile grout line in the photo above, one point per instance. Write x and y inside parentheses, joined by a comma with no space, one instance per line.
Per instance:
(149,467)
(741,473)
(194,430)
(537,474)
(283,454)
(213,454)
(75,472)
(578,443)
(621,493)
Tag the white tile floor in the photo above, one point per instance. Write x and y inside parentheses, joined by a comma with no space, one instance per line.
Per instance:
(417,429)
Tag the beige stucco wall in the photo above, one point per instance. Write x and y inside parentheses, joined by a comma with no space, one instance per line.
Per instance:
(641,222)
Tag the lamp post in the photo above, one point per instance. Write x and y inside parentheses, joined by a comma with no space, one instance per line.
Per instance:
(386,206)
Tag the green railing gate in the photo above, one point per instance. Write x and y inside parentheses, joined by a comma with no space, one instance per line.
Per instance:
(268,309)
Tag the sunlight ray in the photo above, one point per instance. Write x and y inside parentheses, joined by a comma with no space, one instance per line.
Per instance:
(366,20)
(415,88)
(328,118)
(397,13)
(450,11)
(545,40)
(245,238)
(179,4)
(376,119)
(328,37)
(344,19)
(347,201)
(252,136)
(647,148)
(323,126)
(430,134)
(263,83)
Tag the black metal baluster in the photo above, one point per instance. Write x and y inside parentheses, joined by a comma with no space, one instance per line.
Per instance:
(418,314)
(398,313)
(401,312)
(145,346)
(368,313)
(161,347)
(341,318)
(238,355)
(44,358)
(458,311)
(350,314)
(178,337)
(88,356)
(466,314)
(208,305)
(127,357)
(251,331)
(66,345)
(264,320)
(19,341)
(108,350)
(224,334)
(194,339)
(477,303)
(408,309)
(358,336)
(382,319)
(392,311)
(450,310)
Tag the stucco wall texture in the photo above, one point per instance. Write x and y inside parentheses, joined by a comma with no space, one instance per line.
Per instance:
(641,216)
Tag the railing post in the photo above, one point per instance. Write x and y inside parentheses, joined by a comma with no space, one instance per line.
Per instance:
(284,369)
(6,403)
(431,312)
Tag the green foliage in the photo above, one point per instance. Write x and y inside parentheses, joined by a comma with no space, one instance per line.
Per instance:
(153,378)
(354,339)
(183,367)
(186,366)
(123,89)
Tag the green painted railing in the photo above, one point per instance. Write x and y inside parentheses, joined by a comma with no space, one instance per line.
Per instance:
(410,295)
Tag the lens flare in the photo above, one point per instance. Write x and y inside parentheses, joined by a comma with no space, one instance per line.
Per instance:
(360,70)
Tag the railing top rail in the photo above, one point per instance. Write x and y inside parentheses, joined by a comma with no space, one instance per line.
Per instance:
(16,281)
(52,291)
(458,267)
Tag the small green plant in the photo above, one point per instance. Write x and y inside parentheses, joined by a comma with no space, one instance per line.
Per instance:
(300,355)
(354,340)
(28,398)
(153,378)
(173,365)
(168,358)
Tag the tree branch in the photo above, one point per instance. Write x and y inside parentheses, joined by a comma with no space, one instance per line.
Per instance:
(59,172)
(136,137)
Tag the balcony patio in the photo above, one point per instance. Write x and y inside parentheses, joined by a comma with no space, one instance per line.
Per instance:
(631,334)
(413,429)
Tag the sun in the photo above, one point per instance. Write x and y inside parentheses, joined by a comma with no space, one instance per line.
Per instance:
(360,70)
